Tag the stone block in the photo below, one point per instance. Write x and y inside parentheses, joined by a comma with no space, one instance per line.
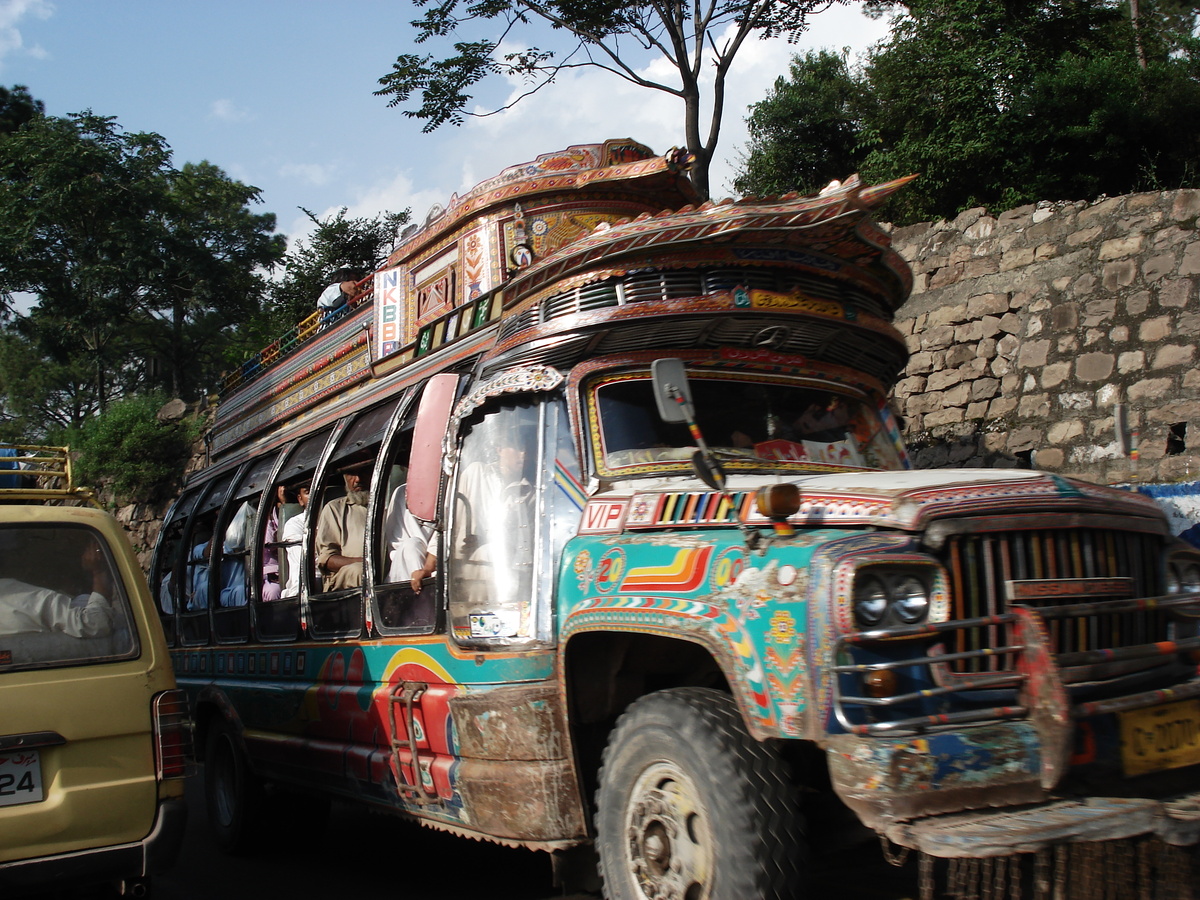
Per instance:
(959,395)
(1010,323)
(968,332)
(1032,354)
(1084,286)
(1158,267)
(1097,312)
(1084,235)
(1092,336)
(1100,210)
(1137,304)
(937,338)
(1150,389)
(1008,345)
(1034,406)
(1049,458)
(984,227)
(1154,330)
(1021,217)
(986,349)
(987,305)
(977,409)
(1062,432)
(943,379)
(981,267)
(1065,317)
(1017,258)
(1190,264)
(1170,355)
(1119,334)
(1024,438)
(943,417)
(1068,343)
(959,355)
(945,276)
(1175,292)
(1119,274)
(1055,374)
(1186,205)
(984,389)
(989,327)
(1076,400)
(1001,407)
(1094,366)
(1131,361)
(1045,251)
(948,315)
(920,363)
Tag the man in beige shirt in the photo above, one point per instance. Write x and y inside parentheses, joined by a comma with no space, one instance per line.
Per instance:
(341,532)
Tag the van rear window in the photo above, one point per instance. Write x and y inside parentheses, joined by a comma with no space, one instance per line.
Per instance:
(61,599)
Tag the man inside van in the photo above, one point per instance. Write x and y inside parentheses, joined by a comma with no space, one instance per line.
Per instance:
(25,608)
(342,529)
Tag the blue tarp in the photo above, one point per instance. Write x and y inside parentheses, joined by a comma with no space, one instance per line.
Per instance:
(1181,502)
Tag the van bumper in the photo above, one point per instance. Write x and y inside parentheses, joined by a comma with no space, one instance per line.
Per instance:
(152,855)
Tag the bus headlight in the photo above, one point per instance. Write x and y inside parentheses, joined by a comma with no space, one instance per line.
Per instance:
(888,596)
(1183,576)
(870,601)
(911,599)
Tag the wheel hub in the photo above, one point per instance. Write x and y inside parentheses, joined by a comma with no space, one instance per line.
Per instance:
(670,849)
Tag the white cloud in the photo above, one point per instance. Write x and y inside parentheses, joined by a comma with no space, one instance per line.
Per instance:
(225,110)
(12,12)
(309,173)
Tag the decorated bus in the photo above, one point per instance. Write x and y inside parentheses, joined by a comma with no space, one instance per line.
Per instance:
(584,525)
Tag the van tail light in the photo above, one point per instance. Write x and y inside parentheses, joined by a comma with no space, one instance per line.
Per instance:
(174,750)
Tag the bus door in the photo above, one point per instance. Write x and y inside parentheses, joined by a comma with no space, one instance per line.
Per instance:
(406,544)
(515,502)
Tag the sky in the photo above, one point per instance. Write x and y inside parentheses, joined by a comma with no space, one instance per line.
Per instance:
(280,95)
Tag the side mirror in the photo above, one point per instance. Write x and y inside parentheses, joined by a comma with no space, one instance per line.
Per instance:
(672,393)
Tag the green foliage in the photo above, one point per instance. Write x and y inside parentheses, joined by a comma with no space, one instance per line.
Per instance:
(997,104)
(140,270)
(338,246)
(806,132)
(17,106)
(128,449)
(591,33)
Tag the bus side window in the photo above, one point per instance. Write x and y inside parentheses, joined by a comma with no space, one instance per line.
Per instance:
(341,526)
(284,553)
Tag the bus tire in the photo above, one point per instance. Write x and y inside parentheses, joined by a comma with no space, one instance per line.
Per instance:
(233,795)
(691,807)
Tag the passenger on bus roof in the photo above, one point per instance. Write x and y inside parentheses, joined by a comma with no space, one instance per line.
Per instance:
(341,531)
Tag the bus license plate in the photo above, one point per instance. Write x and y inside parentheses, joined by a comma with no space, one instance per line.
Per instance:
(1160,737)
(20,777)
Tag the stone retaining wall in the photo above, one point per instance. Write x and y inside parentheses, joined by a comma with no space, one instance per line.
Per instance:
(1034,334)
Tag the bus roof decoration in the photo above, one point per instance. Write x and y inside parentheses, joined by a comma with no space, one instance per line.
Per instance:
(586,250)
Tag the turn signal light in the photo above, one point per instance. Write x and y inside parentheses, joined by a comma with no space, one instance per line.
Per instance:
(881,683)
(778,501)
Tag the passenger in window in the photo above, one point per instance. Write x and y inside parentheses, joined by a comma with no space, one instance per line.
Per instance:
(272,589)
(233,557)
(342,529)
(291,538)
(198,576)
(26,608)
(407,539)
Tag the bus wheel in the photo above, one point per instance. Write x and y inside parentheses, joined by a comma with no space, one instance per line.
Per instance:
(691,807)
(232,793)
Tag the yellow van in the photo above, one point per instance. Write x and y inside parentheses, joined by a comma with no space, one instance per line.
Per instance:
(95,739)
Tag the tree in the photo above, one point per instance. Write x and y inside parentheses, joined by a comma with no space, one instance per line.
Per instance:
(132,261)
(1002,103)
(806,132)
(360,245)
(17,106)
(598,35)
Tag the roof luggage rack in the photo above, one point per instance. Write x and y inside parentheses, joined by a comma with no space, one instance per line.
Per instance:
(32,472)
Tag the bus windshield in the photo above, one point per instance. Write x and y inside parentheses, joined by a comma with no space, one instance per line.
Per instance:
(746,421)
